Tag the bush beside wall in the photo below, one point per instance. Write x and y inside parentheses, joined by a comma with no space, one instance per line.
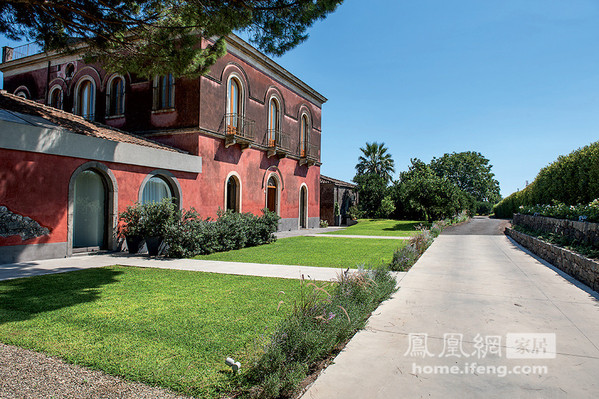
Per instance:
(572,179)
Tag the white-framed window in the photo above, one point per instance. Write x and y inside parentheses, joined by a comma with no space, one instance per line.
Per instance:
(234,105)
(115,96)
(304,135)
(273,193)
(55,97)
(85,98)
(164,92)
(274,120)
(233,192)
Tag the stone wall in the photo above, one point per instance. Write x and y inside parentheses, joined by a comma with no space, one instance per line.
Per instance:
(584,232)
(583,269)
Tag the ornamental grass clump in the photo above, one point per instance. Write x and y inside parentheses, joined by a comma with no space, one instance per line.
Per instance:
(324,316)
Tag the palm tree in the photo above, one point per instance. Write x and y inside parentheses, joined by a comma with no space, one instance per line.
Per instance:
(376,160)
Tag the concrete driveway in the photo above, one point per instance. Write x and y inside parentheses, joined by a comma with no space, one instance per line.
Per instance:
(476,317)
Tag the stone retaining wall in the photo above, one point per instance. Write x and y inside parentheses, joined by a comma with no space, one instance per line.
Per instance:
(584,232)
(583,269)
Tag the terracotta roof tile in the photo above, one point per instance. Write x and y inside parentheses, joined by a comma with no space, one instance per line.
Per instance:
(75,123)
(326,179)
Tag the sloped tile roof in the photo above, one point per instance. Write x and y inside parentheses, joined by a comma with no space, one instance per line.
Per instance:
(341,183)
(74,123)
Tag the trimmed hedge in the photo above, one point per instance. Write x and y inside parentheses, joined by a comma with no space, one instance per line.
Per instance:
(572,179)
(190,235)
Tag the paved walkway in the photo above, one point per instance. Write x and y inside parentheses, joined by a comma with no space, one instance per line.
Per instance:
(33,268)
(358,236)
(478,286)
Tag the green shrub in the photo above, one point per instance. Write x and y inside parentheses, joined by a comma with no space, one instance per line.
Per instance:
(355,213)
(190,235)
(131,221)
(387,207)
(324,224)
(483,208)
(323,317)
(572,179)
(156,217)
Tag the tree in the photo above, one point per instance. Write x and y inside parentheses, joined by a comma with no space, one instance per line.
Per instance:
(471,172)
(372,190)
(153,37)
(420,193)
(376,160)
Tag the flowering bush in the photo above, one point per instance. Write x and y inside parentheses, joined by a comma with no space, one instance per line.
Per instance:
(584,212)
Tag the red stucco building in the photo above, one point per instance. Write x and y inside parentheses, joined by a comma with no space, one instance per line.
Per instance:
(86,144)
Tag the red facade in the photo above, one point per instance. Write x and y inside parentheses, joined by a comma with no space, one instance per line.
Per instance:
(253,136)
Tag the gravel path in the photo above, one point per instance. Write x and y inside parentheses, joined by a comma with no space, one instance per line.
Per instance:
(25,374)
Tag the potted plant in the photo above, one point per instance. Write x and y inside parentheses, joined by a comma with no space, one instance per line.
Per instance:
(337,213)
(156,216)
(131,228)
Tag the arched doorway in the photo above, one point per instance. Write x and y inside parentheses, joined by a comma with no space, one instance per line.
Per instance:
(303,207)
(90,211)
(233,194)
(272,194)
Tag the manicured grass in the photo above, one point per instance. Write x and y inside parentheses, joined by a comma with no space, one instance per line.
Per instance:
(315,251)
(382,227)
(165,327)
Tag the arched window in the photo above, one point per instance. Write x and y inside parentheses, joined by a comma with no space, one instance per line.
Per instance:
(303,207)
(234,106)
(304,135)
(85,104)
(155,190)
(164,92)
(274,123)
(55,99)
(272,195)
(233,194)
(116,96)
(69,71)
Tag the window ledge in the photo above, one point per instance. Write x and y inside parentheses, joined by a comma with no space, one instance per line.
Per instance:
(110,117)
(163,111)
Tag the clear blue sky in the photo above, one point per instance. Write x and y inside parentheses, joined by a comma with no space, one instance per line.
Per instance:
(517,80)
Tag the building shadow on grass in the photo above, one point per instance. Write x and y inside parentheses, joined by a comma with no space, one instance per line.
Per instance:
(406,226)
(23,298)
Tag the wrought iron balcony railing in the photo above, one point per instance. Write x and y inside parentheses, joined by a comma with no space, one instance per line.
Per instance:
(308,153)
(14,53)
(238,125)
(276,140)
(307,150)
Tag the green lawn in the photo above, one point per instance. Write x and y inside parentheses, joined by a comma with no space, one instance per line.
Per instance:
(381,227)
(315,251)
(165,327)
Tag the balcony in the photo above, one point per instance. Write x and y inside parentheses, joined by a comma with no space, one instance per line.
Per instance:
(14,53)
(238,130)
(308,154)
(277,143)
